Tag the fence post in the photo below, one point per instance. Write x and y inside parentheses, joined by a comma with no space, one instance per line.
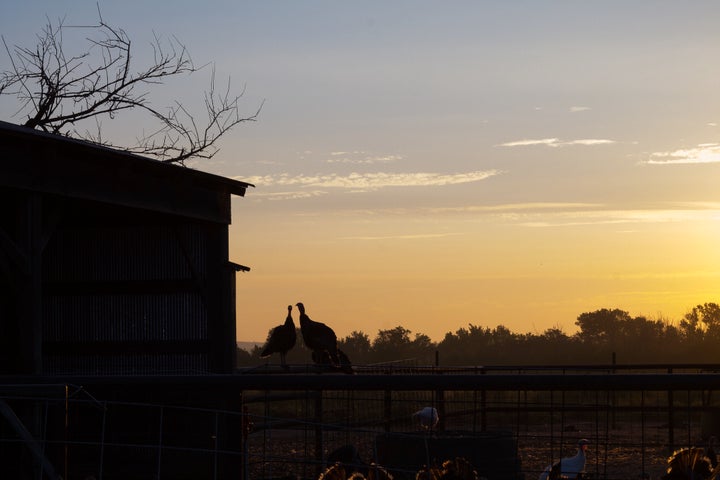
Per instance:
(671,419)
(160,440)
(247,426)
(67,425)
(387,401)
(613,399)
(215,454)
(440,400)
(440,397)
(318,432)
(102,441)
(483,405)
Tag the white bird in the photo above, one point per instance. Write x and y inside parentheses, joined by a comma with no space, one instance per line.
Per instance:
(426,418)
(569,467)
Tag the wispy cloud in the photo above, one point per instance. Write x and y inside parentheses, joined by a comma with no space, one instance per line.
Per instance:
(372,181)
(556,142)
(573,214)
(526,143)
(355,159)
(588,142)
(291,195)
(703,153)
(415,236)
(518,207)
(619,217)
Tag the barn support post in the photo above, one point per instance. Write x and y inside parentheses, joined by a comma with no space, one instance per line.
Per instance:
(22,240)
(22,243)
(219,301)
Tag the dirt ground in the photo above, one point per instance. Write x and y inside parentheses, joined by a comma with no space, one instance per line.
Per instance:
(617,454)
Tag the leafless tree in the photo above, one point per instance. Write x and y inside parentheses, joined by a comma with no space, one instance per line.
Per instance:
(62,93)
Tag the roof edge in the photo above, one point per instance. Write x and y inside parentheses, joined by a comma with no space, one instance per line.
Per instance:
(235,187)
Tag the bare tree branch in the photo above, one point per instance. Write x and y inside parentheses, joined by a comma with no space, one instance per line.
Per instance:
(57,93)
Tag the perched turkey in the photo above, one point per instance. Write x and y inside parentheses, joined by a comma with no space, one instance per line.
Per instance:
(426,418)
(343,361)
(281,339)
(690,464)
(568,467)
(318,337)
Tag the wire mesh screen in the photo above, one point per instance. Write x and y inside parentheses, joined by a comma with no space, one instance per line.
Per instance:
(78,436)
(301,433)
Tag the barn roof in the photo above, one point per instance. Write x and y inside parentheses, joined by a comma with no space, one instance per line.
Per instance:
(41,162)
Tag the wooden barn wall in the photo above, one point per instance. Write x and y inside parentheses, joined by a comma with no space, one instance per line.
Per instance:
(129,298)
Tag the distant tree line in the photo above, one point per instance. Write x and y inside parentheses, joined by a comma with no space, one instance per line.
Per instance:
(601,335)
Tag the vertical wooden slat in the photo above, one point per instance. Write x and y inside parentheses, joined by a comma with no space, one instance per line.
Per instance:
(30,291)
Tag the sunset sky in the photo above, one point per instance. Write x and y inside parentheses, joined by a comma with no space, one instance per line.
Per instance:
(434,164)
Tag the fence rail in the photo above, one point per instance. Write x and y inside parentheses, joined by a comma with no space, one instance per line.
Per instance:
(293,423)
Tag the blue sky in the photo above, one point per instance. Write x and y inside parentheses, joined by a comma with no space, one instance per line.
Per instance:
(484,162)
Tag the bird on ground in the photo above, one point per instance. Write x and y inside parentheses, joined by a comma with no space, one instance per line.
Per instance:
(378,472)
(348,458)
(334,472)
(457,469)
(426,418)
(711,451)
(346,455)
(690,464)
(569,467)
(338,472)
(432,472)
(318,337)
(281,339)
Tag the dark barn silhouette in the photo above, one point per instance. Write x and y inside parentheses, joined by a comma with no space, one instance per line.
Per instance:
(111,265)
